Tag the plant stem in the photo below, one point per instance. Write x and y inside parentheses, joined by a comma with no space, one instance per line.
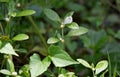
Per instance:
(37,30)
(109,65)
(2,29)
(63,33)
(59,70)
(93,73)
(3,63)
(115,69)
(63,37)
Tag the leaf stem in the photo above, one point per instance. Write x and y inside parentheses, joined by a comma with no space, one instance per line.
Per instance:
(37,30)
(93,73)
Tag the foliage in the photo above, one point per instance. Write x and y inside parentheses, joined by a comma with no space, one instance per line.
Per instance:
(55,38)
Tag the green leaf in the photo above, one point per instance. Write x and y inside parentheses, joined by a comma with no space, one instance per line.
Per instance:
(69,14)
(52,15)
(75,7)
(77,32)
(86,41)
(10,65)
(102,65)
(6,72)
(118,35)
(71,45)
(84,63)
(24,51)
(25,13)
(20,37)
(13,14)
(4,0)
(59,57)
(68,74)
(52,40)
(37,67)
(24,71)
(8,49)
(73,25)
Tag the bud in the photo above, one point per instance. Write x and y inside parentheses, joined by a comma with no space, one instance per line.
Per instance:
(18,4)
(7,19)
(14,73)
(62,26)
(61,75)
(68,20)
(62,40)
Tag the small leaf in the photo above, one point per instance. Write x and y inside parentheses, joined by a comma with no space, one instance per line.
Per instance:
(52,40)
(102,65)
(59,35)
(13,14)
(73,25)
(37,67)
(59,57)
(10,65)
(77,32)
(20,37)
(52,15)
(6,72)
(8,49)
(25,13)
(69,14)
(84,63)
(21,50)
(24,71)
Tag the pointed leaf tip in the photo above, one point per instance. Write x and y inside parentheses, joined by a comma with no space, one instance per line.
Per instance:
(77,32)
(102,65)
(59,57)
(20,37)
(52,40)
(37,67)
(84,63)
(25,13)
(52,15)
(8,49)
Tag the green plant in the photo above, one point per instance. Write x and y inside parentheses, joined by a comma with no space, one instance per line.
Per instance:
(55,54)
(7,40)
(101,66)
